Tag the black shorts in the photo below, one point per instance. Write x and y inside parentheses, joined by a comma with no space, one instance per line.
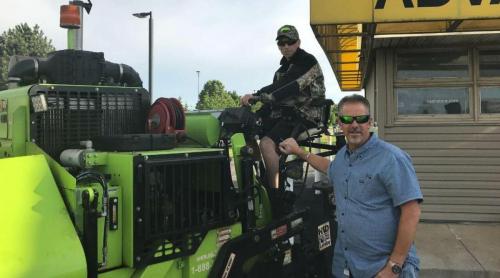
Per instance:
(278,129)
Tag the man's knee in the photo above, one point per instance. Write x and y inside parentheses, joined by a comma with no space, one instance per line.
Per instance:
(267,143)
(267,147)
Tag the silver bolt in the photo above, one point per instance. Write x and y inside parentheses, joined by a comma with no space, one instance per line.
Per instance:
(139,166)
(146,157)
(138,258)
(139,220)
(138,208)
(115,226)
(115,201)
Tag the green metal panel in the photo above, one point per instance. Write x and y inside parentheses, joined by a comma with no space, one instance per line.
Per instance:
(95,159)
(203,127)
(38,238)
(197,265)
(115,237)
(237,142)
(118,273)
(168,269)
(120,167)
(263,206)
(14,132)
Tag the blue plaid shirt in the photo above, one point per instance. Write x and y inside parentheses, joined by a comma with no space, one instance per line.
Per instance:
(370,184)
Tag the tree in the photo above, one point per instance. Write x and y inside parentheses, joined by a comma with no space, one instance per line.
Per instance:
(234,96)
(334,112)
(22,40)
(214,96)
(184,104)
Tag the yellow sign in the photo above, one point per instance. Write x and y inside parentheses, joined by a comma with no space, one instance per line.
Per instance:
(377,11)
(341,11)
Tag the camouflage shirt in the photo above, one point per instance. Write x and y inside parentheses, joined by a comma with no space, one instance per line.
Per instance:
(298,86)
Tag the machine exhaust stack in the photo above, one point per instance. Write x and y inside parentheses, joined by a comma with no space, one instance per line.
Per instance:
(71,18)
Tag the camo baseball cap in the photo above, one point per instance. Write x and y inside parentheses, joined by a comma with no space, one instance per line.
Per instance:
(288,31)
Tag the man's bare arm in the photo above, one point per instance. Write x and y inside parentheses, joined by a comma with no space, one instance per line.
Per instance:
(410,215)
(407,228)
(290,146)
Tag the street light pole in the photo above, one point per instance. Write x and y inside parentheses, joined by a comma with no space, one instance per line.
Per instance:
(198,73)
(150,65)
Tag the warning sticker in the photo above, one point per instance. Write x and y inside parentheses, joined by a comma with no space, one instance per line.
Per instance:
(324,237)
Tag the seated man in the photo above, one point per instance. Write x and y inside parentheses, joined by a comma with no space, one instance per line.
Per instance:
(297,84)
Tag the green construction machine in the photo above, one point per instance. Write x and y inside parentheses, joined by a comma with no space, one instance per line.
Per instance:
(98,181)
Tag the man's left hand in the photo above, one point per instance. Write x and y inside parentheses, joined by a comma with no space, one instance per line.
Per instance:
(386,272)
(245,100)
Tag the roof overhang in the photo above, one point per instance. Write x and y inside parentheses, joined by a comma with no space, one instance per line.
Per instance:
(346,30)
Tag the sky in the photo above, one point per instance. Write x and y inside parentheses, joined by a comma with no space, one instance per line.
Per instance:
(228,40)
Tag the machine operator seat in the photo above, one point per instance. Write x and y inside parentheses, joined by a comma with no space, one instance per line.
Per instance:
(321,126)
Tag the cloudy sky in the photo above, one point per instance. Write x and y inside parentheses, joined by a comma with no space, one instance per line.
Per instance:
(228,40)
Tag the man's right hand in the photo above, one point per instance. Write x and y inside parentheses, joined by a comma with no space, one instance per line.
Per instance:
(290,146)
(244,100)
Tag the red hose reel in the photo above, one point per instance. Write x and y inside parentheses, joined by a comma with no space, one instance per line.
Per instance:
(166,116)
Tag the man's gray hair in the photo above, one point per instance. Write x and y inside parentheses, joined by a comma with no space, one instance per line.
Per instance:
(354,99)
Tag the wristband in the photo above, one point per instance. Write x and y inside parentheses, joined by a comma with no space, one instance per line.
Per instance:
(307,157)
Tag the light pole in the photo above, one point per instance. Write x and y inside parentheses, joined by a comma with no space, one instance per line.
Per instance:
(198,73)
(144,15)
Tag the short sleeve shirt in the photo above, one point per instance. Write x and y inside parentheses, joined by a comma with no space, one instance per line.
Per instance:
(370,184)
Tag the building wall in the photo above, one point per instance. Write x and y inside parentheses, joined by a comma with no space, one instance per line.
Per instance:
(456,157)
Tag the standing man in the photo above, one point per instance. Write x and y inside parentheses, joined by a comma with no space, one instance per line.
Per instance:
(377,196)
(297,85)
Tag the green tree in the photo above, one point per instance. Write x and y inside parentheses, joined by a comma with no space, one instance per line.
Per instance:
(22,40)
(184,104)
(214,96)
(234,96)
(334,112)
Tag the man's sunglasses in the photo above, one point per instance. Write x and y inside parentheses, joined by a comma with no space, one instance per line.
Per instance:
(288,42)
(359,119)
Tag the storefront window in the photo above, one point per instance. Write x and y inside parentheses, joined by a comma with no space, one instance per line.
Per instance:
(439,83)
(490,100)
(489,63)
(432,65)
(435,100)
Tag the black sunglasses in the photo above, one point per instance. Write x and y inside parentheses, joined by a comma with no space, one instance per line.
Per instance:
(288,42)
(361,119)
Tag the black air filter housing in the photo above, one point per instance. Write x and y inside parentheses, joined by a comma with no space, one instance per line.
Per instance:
(73,67)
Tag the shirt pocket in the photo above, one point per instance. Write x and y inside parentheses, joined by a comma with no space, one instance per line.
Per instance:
(365,188)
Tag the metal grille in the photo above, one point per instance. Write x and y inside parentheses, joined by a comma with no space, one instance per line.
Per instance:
(177,201)
(77,113)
